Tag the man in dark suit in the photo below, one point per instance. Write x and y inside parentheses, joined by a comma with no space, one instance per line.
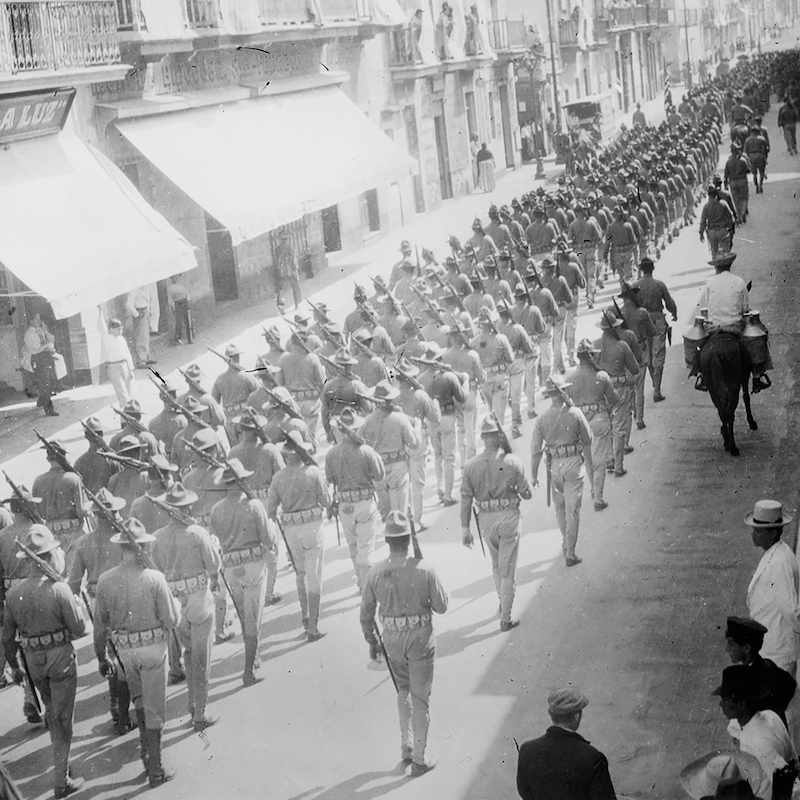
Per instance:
(562,765)
(745,637)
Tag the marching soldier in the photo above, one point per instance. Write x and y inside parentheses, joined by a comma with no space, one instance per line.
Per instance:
(655,299)
(244,533)
(63,500)
(133,426)
(479,298)
(392,320)
(498,230)
(619,246)
(14,570)
(530,318)
(593,393)
(135,609)
(737,168)
(93,555)
(41,617)
(283,415)
(585,237)
(184,552)
(496,357)
(618,360)
(496,287)
(212,411)
(353,321)
(522,348)
(381,343)
(396,272)
(302,319)
(263,459)
(716,220)
(495,481)
(270,376)
(418,406)
(370,369)
(160,479)
(272,336)
(353,468)
(570,270)
(392,434)
(131,481)
(756,150)
(543,299)
(95,471)
(305,379)
(232,388)
(637,320)
(462,359)
(480,243)
(435,328)
(563,434)
(302,495)
(166,425)
(406,592)
(562,294)
(540,235)
(342,390)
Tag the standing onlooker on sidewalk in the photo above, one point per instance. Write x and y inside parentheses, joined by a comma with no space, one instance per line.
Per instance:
(286,269)
(787,122)
(474,147)
(485,161)
(562,764)
(639,119)
(117,356)
(37,357)
(178,299)
(138,306)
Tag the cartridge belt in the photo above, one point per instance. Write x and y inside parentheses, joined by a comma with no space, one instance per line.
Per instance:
(498,504)
(394,456)
(246,555)
(187,586)
(354,495)
(305,394)
(65,525)
(302,517)
(564,450)
(45,641)
(129,639)
(407,623)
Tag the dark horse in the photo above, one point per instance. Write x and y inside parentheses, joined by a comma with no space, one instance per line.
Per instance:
(726,371)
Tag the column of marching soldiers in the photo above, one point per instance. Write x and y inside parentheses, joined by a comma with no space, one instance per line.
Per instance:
(159,527)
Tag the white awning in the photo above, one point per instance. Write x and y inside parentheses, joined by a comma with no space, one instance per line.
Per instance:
(258,164)
(75,230)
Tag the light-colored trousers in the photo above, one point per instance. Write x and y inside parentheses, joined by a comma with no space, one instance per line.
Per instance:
(501,530)
(247,583)
(567,486)
(360,525)
(196,639)
(393,489)
(121,379)
(466,415)
(146,672)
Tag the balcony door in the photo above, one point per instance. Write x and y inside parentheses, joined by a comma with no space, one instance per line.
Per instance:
(221,260)
(443,157)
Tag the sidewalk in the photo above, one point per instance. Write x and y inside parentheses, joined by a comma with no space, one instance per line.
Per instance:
(241,320)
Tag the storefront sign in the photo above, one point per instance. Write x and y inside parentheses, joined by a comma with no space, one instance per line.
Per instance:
(23,116)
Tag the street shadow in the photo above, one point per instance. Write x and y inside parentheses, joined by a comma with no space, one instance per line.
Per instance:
(453,642)
(357,786)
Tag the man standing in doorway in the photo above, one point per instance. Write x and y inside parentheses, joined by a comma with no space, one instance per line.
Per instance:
(137,304)
(286,269)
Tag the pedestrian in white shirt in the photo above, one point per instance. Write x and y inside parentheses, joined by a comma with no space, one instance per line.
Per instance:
(725,295)
(773,598)
(119,363)
(138,306)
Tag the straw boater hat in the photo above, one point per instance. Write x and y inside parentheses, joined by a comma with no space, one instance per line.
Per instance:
(767,514)
(701,778)
(137,531)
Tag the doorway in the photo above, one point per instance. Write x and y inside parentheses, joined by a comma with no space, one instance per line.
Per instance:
(445,183)
(331,232)
(505,115)
(222,261)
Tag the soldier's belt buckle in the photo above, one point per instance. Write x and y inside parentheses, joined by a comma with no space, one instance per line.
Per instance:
(348,509)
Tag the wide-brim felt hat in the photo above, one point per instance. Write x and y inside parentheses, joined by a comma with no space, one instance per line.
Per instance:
(554,385)
(723,261)
(397,525)
(701,778)
(234,470)
(40,539)
(179,496)
(608,321)
(107,500)
(137,530)
(384,390)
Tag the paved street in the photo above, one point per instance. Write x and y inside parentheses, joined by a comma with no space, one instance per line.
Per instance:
(637,626)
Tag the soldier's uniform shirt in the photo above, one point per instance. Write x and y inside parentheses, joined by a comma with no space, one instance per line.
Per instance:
(585,234)
(499,233)
(370,369)
(241,524)
(128,484)
(214,414)
(619,234)
(149,514)
(541,236)
(434,332)
(95,471)
(393,324)
(166,425)
(11,567)
(92,555)
(232,389)
(573,275)
(63,504)
(298,487)
(342,392)
(560,427)
(478,300)
(616,357)
(391,434)
(280,423)
(264,460)
(715,214)
(531,319)
(303,375)
(150,443)
(639,322)
(351,467)
(654,296)
(483,244)
(726,298)
(737,168)
(6,517)
(498,290)
(494,351)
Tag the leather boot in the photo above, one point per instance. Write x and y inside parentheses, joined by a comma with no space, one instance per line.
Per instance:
(251,661)
(113,699)
(619,453)
(156,772)
(312,632)
(303,598)
(124,724)
(142,738)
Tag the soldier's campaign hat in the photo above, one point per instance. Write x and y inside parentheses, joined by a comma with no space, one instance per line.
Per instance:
(104,498)
(359,292)
(127,444)
(587,346)
(741,682)
(539,211)
(566,701)
(477,225)
(450,262)
(712,188)
(179,496)
(411,326)
(265,368)
(363,335)
(515,203)
(432,350)
(95,425)
(272,334)
(233,471)
(489,425)
(407,265)
(320,308)
(293,442)
(279,393)
(136,529)
(40,539)
(723,261)
(247,419)
(405,367)
(192,404)
(717,180)
(628,290)
(384,390)
(767,514)
(609,320)
(170,385)
(421,285)
(504,209)
(302,316)
(520,291)
(133,408)
(163,464)
(486,317)
(204,439)
(25,496)
(554,385)
(646,264)
(745,631)
(344,358)
(477,278)
(702,777)
(231,351)
(397,525)
(349,419)
(405,246)
(332,328)
(194,372)
(547,263)
(503,307)
(490,262)
(505,254)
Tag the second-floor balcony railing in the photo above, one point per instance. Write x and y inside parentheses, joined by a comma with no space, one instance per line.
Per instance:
(297,12)
(202,13)
(507,34)
(568,32)
(57,34)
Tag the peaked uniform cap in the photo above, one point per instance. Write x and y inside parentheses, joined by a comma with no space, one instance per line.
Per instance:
(547,263)
(302,317)
(745,631)
(26,495)
(405,367)
(247,419)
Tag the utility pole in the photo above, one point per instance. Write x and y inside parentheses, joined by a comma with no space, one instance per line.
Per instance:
(688,53)
(553,66)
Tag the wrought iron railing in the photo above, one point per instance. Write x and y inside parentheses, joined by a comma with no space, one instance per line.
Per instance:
(405,50)
(57,34)
(507,34)
(299,12)
(202,13)
(620,17)
(128,15)
(568,32)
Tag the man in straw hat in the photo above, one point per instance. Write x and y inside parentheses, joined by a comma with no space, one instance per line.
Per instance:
(772,596)
(712,776)
(561,764)
(494,480)
(183,551)
(353,468)
(564,436)
(594,394)
(244,533)
(302,494)
(42,617)
(135,609)
(405,591)
(760,733)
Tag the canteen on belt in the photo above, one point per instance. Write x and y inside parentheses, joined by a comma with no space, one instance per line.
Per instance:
(693,341)
(754,339)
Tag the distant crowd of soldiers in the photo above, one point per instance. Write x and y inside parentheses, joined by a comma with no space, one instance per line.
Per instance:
(164,527)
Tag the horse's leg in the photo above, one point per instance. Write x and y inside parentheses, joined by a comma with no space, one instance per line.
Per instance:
(734,450)
(746,396)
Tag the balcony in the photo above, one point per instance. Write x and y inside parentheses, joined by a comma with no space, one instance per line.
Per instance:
(276,13)
(201,14)
(57,35)
(638,16)
(620,17)
(404,50)
(507,35)
(568,33)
